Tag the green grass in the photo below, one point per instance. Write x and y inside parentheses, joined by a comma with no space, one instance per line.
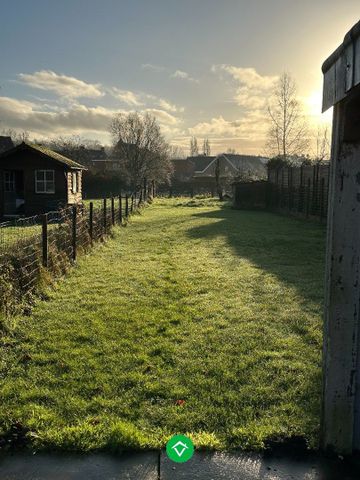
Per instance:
(191,301)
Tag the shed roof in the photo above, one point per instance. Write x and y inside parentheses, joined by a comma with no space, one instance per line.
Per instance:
(45,152)
(342,69)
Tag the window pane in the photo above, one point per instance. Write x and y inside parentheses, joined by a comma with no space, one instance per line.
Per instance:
(40,186)
(49,175)
(50,187)
(40,175)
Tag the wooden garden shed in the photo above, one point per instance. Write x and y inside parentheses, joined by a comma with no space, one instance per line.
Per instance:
(35,179)
(341,358)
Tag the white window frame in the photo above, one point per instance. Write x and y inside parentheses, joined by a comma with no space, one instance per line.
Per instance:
(9,180)
(74,182)
(44,181)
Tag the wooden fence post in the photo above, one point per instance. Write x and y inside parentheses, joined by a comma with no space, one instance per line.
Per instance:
(44,240)
(74,232)
(308,191)
(112,211)
(322,198)
(301,191)
(126,206)
(105,208)
(145,189)
(91,222)
(120,209)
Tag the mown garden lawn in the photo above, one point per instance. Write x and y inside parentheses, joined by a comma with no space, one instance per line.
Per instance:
(195,318)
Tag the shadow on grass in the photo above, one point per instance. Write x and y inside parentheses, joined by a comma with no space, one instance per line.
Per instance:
(292,249)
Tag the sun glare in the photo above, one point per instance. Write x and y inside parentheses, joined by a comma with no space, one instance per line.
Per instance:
(313,105)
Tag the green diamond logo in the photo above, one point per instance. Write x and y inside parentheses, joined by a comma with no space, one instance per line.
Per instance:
(180,448)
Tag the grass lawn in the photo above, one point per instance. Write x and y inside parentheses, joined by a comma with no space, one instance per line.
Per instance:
(195,318)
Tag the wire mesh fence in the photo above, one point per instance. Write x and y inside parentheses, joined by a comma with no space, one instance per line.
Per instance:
(45,246)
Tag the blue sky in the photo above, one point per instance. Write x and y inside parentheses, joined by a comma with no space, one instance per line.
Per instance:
(202,67)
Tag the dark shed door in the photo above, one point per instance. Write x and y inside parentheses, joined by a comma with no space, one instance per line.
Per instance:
(13,192)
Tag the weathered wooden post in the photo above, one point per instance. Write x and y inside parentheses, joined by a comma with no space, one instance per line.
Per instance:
(112,211)
(91,222)
(126,206)
(104,213)
(120,209)
(74,232)
(341,357)
(45,240)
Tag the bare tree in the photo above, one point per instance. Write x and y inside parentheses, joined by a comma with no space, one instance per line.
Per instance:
(142,149)
(176,152)
(287,135)
(194,149)
(17,136)
(322,144)
(74,147)
(206,147)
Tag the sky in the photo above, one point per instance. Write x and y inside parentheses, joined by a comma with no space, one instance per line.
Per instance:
(203,68)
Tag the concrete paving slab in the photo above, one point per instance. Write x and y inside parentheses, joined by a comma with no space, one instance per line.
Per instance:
(236,466)
(129,466)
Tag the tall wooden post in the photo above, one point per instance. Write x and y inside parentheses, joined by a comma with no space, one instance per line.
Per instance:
(104,215)
(45,240)
(120,209)
(74,232)
(126,206)
(112,211)
(340,426)
(91,222)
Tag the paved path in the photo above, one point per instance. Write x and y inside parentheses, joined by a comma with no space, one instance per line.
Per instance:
(148,466)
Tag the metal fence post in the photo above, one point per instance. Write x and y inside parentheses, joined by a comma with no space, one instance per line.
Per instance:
(44,240)
(74,232)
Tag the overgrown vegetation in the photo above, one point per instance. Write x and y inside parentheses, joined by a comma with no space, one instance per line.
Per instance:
(202,320)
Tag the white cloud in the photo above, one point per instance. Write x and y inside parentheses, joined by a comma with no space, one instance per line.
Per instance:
(61,84)
(25,115)
(127,96)
(252,126)
(253,90)
(150,66)
(163,117)
(42,121)
(183,76)
(169,107)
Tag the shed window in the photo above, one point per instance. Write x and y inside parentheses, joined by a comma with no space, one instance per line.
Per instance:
(44,181)
(74,182)
(9,181)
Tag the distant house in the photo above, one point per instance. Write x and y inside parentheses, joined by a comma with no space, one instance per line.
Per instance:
(35,179)
(200,171)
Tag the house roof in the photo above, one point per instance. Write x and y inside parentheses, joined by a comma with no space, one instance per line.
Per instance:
(342,69)
(46,152)
(200,161)
(237,162)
